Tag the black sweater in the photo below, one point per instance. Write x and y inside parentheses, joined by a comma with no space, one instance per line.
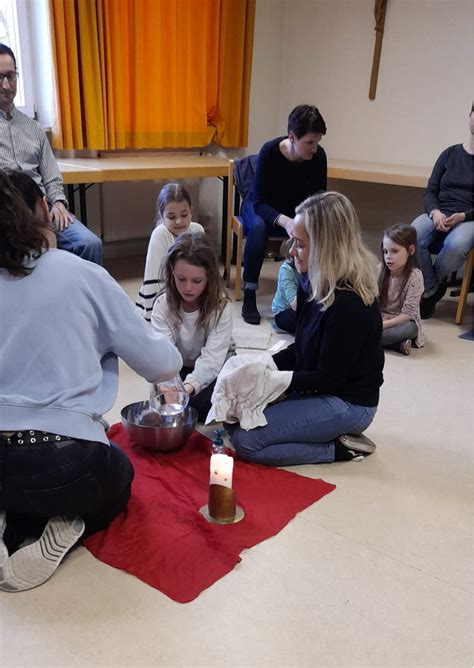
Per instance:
(337,351)
(451,185)
(280,184)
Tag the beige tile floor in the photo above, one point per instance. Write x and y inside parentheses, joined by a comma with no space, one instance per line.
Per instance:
(378,573)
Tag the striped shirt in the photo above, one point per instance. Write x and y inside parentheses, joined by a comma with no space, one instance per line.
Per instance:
(25,147)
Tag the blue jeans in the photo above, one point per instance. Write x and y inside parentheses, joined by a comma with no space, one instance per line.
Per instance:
(451,250)
(78,239)
(392,335)
(257,232)
(83,478)
(300,430)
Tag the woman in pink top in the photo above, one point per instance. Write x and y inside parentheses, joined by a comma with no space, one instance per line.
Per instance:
(401,288)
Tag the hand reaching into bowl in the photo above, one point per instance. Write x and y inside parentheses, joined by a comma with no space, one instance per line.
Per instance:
(169,397)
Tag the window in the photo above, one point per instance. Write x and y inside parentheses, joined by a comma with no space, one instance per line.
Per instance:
(14,31)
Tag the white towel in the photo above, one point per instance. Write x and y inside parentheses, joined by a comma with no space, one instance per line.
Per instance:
(244,388)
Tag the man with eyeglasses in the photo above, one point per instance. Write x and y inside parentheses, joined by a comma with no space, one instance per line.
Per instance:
(25,147)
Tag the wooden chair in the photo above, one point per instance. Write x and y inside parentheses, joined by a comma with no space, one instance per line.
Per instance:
(465,285)
(235,226)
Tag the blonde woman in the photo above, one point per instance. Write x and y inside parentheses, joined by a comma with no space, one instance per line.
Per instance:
(337,358)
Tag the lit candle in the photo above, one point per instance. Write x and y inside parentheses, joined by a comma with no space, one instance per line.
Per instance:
(221,470)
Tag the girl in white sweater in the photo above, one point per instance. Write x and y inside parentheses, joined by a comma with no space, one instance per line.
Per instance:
(195,314)
(173,217)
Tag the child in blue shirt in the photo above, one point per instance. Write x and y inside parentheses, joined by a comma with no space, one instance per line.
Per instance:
(284,302)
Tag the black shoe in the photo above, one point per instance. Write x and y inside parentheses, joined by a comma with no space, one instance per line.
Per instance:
(352,447)
(428,304)
(249,308)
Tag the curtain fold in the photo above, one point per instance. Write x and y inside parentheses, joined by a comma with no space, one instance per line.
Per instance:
(151,73)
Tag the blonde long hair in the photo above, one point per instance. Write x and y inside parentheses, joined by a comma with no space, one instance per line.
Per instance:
(338,257)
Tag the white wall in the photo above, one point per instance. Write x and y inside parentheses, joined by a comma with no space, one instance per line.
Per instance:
(320,52)
(266,119)
(426,78)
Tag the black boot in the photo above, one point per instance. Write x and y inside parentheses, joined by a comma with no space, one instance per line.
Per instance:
(428,304)
(249,308)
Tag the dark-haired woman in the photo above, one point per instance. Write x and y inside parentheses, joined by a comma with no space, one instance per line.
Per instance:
(64,323)
(289,169)
(446,229)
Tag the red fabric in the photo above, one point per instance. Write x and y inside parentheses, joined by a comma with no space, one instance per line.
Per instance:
(162,538)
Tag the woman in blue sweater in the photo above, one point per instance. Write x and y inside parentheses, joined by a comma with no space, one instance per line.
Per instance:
(64,323)
(337,358)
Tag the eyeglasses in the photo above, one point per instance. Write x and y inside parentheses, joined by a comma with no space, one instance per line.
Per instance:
(11,77)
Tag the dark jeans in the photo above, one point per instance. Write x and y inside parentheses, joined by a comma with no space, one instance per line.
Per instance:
(80,478)
(202,401)
(257,231)
(286,320)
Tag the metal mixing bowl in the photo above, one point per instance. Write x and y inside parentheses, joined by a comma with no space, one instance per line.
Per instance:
(165,433)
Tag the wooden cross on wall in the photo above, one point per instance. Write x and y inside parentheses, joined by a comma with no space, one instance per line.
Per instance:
(379,12)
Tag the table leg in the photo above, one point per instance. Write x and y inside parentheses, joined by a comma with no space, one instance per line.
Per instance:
(83,203)
(225,187)
(70,199)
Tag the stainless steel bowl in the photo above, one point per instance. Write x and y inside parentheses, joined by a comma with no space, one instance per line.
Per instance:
(160,433)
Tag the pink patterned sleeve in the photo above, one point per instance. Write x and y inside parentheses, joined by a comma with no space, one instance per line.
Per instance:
(414,292)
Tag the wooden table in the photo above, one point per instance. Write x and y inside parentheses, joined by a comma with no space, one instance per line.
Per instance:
(379,172)
(86,171)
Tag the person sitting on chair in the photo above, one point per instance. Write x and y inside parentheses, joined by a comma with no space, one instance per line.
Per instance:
(447,227)
(25,147)
(289,169)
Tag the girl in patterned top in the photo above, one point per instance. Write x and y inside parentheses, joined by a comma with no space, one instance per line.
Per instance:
(401,287)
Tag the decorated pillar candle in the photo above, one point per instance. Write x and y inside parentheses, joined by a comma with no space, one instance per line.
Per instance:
(221,470)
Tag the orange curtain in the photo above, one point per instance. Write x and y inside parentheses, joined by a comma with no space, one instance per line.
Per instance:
(151,73)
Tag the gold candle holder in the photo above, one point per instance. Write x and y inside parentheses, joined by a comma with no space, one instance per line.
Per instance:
(222,507)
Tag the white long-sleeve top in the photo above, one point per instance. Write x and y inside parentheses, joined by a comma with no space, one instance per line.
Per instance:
(62,328)
(160,242)
(204,354)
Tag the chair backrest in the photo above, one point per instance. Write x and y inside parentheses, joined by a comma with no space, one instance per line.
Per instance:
(244,170)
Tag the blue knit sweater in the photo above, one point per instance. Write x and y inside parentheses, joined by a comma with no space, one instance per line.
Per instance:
(61,330)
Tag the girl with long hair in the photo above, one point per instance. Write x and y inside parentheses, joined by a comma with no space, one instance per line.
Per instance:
(195,314)
(337,358)
(401,289)
(173,218)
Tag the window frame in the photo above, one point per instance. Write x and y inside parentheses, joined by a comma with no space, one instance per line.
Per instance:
(22,39)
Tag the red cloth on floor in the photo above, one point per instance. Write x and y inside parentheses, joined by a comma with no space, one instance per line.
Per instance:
(163,539)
